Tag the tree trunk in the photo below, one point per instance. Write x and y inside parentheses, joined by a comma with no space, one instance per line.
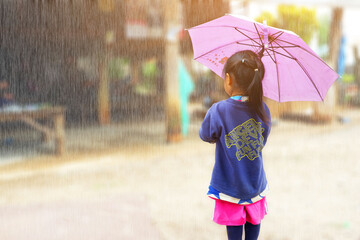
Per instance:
(172,96)
(328,109)
(335,36)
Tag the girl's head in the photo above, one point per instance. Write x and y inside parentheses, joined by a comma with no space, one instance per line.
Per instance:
(244,72)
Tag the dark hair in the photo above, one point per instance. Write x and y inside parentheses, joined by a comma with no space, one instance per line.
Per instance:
(247,69)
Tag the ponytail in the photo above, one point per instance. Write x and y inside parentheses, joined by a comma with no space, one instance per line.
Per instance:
(248,70)
(255,92)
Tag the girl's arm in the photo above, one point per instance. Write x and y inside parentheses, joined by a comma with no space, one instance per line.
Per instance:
(209,130)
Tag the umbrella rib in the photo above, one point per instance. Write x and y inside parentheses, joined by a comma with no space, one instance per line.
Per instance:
(276,36)
(274,60)
(281,54)
(277,74)
(305,71)
(278,32)
(262,44)
(216,49)
(248,36)
(305,51)
(296,45)
(230,43)
(221,26)
(286,46)
(243,40)
(244,44)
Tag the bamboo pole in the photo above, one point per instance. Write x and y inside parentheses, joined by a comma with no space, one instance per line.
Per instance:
(172,98)
(103,92)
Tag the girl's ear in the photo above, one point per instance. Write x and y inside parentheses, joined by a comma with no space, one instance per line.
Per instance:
(228,79)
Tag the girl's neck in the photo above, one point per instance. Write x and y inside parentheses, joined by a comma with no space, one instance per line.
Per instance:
(237,94)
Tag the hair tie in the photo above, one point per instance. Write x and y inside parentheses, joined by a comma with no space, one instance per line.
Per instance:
(256,69)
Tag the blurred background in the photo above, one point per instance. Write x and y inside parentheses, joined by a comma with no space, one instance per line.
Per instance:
(101,102)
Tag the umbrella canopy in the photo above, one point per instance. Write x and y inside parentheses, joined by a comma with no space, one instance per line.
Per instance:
(293,72)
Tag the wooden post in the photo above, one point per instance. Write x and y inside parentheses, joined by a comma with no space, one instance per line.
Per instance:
(103,92)
(59,125)
(103,97)
(335,36)
(357,71)
(329,107)
(172,106)
(357,65)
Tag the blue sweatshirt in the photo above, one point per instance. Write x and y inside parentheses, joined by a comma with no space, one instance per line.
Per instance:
(240,135)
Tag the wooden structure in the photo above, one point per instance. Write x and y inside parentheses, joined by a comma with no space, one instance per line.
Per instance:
(39,51)
(31,118)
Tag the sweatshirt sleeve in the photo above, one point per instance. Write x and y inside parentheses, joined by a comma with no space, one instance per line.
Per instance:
(210,130)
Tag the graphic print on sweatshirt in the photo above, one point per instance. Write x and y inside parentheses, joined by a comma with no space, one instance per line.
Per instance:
(247,138)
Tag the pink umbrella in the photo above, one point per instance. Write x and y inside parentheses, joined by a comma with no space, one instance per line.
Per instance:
(293,72)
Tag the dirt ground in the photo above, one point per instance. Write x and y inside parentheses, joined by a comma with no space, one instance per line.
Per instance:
(150,190)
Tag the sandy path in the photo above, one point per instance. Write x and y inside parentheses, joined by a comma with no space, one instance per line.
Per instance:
(312,170)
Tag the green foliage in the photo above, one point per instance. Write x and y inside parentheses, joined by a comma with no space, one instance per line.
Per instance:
(118,68)
(149,73)
(149,69)
(269,17)
(300,20)
(348,78)
(324,30)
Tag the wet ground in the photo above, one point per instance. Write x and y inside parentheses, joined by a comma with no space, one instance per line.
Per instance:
(130,188)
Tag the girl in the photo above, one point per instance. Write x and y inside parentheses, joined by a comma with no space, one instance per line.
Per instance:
(239,126)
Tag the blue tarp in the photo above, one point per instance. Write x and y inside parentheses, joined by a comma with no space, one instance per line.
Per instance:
(186,87)
(342,57)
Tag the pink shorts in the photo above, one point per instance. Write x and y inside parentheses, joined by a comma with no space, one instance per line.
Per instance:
(232,214)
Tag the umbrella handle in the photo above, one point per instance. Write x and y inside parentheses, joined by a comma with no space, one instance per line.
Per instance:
(266,40)
(261,52)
